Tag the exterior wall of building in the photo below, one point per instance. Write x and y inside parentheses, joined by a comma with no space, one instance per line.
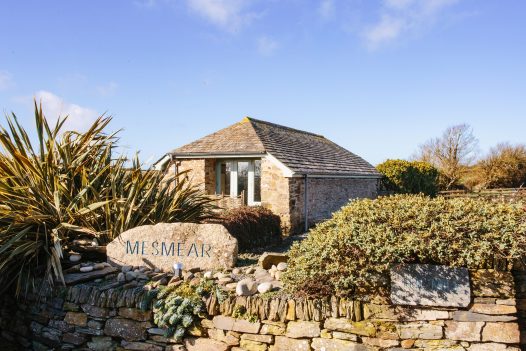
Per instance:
(201,172)
(325,196)
(275,192)
(285,196)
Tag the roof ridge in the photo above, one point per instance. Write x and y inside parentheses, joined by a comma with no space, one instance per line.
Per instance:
(251,119)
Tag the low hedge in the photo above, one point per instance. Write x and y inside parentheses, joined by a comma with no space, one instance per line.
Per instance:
(354,250)
(253,227)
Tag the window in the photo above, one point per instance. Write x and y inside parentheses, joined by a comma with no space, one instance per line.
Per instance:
(239,177)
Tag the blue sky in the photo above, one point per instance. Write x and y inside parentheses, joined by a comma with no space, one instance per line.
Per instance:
(377,77)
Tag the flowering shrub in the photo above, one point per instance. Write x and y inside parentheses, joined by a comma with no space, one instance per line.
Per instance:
(356,248)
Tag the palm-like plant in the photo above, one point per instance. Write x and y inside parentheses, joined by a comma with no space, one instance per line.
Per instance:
(72,185)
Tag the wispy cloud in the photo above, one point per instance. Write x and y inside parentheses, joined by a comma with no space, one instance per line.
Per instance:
(230,15)
(400,17)
(267,46)
(326,9)
(107,89)
(80,118)
(6,80)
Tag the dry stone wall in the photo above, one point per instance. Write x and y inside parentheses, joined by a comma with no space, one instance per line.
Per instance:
(102,317)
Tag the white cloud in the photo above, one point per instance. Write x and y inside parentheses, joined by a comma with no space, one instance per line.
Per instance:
(6,81)
(230,15)
(326,9)
(400,17)
(80,118)
(107,89)
(267,46)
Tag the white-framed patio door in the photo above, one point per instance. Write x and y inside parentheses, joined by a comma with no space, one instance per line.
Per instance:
(237,177)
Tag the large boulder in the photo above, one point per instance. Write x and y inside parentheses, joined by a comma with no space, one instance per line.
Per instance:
(204,246)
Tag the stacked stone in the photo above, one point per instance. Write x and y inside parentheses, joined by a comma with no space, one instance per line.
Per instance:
(93,317)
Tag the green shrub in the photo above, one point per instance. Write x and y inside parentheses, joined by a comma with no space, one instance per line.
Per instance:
(71,184)
(252,226)
(356,248)
(408,177)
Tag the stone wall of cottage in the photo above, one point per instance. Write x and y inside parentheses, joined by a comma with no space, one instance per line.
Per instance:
(99,317)
(201,172)
(325,196)
(275,192)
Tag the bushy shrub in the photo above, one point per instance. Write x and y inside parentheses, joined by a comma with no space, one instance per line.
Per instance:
(407,177)
(252,226)
(358,246)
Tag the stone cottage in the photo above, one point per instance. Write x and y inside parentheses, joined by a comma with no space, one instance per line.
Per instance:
(301,176)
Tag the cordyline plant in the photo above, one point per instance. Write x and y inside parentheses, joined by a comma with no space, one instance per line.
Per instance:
(71,185)
(354,250)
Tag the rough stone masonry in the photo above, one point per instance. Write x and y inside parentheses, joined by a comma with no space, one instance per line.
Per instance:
(98,317)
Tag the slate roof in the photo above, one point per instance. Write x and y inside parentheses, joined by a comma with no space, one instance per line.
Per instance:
(300,151)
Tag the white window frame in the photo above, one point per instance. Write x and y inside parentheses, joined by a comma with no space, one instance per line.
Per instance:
(233,179)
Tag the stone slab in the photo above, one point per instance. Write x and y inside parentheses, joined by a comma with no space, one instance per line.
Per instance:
(76,278)
(430,285)
(204,246)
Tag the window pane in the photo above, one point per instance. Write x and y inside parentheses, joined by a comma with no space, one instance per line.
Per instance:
(257,181)
(225,178)
(242,180)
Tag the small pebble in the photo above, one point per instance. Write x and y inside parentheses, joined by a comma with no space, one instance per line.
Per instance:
(208,275)
(264,287)
(282,266)
(126,269)
(121,277)
(75,258)
(98,266)
(86,269)
(236,271)
(130,276)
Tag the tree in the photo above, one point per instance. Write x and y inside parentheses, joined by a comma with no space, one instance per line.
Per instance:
(408,177)
(451,154)
(503,167)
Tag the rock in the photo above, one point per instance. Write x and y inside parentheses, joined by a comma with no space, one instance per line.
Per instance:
(223,322)
(266,339)
(271,258)
(244,326)
(359,328)
(283,343)
(303,329)
(76,318)
(277,275)
(487,347)
(507,333)
(101,343)
(236,271)
(135,314)
(224,280)
(264,287)
(86,269)
(319,344)
(201,344)
(207,246)
(130,276)
(466,316)
(250,270)
(98,266)
(126,329)
(121,277)
(246,287)
(140,346)
(493,309)
(188,275)
(420,331)
(250,345)
(75,258)
(208,275)
(75,278)
(464,331)
(282,266)
(126,268)
(231,286)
